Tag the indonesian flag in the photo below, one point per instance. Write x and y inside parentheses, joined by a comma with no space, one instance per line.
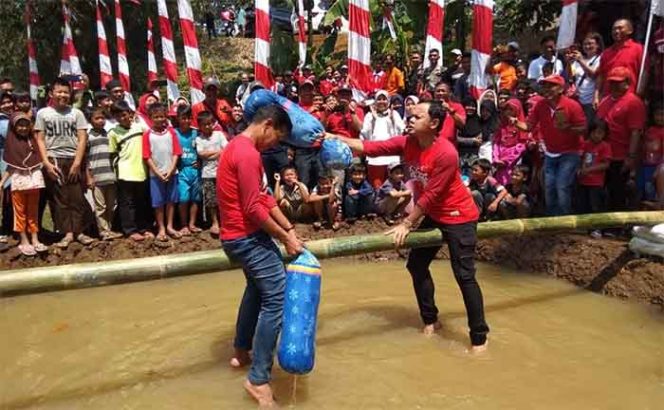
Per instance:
(192,56)
(105,68)
(482,39)
(168,52)
(152,62)
(262,70)
(567,29)
(359,46)
(301,36)
(69,63)
(435,24)
(388,21)
(32,54)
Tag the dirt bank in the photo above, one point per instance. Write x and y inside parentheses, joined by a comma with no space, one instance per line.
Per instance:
(601,265)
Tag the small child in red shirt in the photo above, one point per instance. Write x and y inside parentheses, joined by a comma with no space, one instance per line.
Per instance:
(591,195)
(651,176)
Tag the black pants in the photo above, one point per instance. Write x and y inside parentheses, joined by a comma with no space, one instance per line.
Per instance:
(461,240)
(590,199)
(134,207)
(620,197)
(308,165)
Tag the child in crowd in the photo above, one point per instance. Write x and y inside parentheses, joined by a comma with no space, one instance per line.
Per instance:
(508,142)
(24,168)
(24,104)
(209,144)
(325,201)
(359,195)
(189,178)
(651,176)
(292,196)
(104,101)
(595,160)
(516,203)
(100,174)
(126,147)
(161,150)
(487,192)
(393,196)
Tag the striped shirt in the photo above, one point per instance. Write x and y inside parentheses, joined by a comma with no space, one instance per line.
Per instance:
(99,158)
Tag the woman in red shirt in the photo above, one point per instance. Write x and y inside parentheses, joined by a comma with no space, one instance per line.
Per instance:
(445,203)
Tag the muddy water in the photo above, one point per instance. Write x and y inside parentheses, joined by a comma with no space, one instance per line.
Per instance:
(165,345)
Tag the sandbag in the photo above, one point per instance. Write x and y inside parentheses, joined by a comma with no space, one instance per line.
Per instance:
(650,233)
(643,247)
(297,346)
(306,128)
(335,154)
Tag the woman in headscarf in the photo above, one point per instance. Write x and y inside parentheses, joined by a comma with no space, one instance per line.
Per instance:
(408,104)
(509,143)
(396,104)
(144,103)
(470,137)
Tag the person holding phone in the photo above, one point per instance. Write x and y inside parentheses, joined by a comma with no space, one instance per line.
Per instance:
(584,71)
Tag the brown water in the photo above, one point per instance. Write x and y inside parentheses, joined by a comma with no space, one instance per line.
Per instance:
(165,345)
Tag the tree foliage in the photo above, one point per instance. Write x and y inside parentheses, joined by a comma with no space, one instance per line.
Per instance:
(518,16)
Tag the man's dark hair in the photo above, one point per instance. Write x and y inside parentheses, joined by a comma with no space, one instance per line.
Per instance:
(90,112)
(203,116)
(101,95)
(157,107)
(505,92)
(120,107)
(61,81)
(436,112)
(286,168)
(546,39)
(7,95)
(113,84)
(596,124)
(183,111)
(524,169)
(5,80)
(466,54)
(279,117)
(22,96)
(358,168)
(483,163)
(434,50)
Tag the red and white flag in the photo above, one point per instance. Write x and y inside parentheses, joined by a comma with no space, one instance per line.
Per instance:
(168,51)
(482,40)
(301,35)
(191,53)
(567,28)
(105,68)
(152,62)
(262,70)
(123,64)
(435,25)
(388,23)
(69,63)
(32,54)
(359,45)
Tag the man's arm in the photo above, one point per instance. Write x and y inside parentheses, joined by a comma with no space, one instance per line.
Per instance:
(75,168)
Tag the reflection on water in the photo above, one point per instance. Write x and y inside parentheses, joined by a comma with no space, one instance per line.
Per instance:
(165,345)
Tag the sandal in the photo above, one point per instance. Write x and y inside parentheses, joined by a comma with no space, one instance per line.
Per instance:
(195,229)
(40,248)
(317,225)
(84,239)
(162,238)
(214,231)
(185,231)
(27,250)
(64,243)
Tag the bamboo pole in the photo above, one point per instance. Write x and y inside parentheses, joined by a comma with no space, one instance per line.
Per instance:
(84,275)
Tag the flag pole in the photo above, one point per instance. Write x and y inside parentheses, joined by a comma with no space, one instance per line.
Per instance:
(651,17)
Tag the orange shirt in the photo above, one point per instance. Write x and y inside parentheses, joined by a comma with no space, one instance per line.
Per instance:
(507,74)
(394,82)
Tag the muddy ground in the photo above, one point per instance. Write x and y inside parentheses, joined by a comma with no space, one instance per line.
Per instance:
(602,265)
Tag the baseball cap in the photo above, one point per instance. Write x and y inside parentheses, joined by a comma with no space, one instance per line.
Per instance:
(553,79)
(393,166)
(618,74)
(211,82)
(288,72)
(307,83)
(456,52)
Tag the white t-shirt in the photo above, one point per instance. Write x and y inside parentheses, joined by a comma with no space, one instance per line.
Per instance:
(217,141)
(586,88)
(535,67)
(381,129)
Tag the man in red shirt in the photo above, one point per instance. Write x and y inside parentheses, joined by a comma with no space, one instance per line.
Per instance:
(625,114)
(561,122)
(446,204)
(347,117)
(220,109)
(250,218)
(624,52)
(456,114)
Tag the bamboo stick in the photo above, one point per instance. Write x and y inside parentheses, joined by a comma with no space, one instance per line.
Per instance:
(83,275)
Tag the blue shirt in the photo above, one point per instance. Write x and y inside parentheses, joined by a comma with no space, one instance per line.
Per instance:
(188,144)
(365,188)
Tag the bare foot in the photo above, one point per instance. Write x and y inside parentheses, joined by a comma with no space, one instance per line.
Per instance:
(429,330)
(475,349)
(240,359)
(262,394)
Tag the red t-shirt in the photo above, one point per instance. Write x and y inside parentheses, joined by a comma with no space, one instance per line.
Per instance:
(558,141)
(326,86)
(653,146)
(594,154)
(449,130)
(222,112)
(435,171)
(341,123)
(627,55)
(623,115)
(244,203)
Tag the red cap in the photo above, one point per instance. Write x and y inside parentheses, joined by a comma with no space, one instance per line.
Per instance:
(618,74)
(554,79)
